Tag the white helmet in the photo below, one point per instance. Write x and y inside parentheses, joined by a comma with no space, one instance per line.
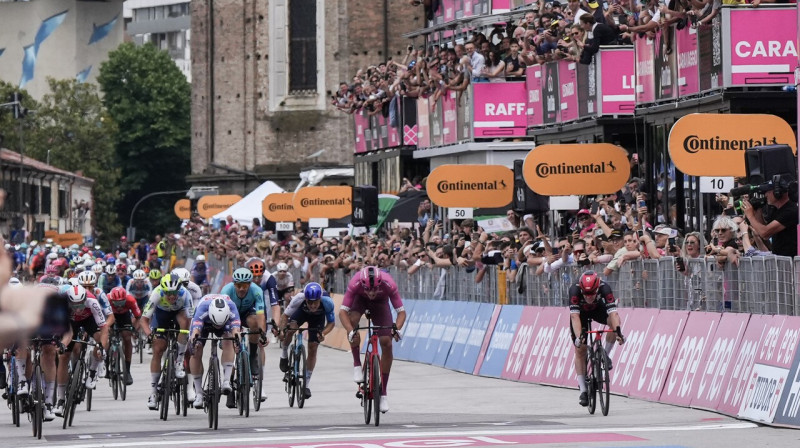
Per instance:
(102,262)
(74,281)
(219,312)
(139,275)
(14,282)
(182,274)
(76,294)
(131,268)
(87,278)
(87,257)
(110,270)
(97,269)
(201,258)
(283,267)
(88,264)
(63,281)
(52,256)
(122,256)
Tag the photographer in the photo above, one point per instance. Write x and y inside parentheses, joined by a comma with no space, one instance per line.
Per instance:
(782,227)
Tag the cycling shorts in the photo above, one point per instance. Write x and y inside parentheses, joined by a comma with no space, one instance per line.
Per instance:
(599,315)
(316,322)
(88,325)
(380,312)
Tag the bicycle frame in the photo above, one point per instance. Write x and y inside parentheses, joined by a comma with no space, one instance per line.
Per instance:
(597,378)
(36,399)
(296,376)
(370,387)
(168,380)
(211,386)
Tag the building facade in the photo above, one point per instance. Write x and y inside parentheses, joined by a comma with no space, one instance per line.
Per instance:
(165,24)
(262,76)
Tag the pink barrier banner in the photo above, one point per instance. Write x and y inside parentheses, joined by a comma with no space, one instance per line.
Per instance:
(487,338)
(617,82)
(706,391)
(645,72)
(362,127)
(499,109)
(771,369)
(423,124)
(694,347)
(688,58)
(450,114)
(568,80)
(520,346)
(637,325)
(499,6)
(394,136)
(651,369)
(739,370)
(762,46)
(449,10)
(543,344)
(533,84)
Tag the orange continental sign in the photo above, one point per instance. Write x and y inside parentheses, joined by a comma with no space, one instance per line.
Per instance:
(277,207)
(183,209)
(470,185)
(68,239)
(323,202)
(209,206)
(714,144)
(576,169)
(50,233)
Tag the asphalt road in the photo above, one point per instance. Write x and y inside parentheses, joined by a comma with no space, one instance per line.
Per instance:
(430,407)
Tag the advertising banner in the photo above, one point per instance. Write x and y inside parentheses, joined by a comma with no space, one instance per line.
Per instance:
(68,239)
(551,93)
(499,109)
(323,202)
(382,131)
(651,370)
(435,108)
(449,7)
(423,124)
(374,139)
(533,84)
(500,6)
(394,136)
(576,169)
(457,319)
(459,8)
(476,186)
(761,45)
(520,346)
(587,91)
(739,370)
(545,340)
(183,210)
(409,333)
(714,144)
(568,81)
(617,81)
(468,312)
(502,335)
(362,127)
(709,44)
(441,319)
(422,346)
(409,117)
(277,207)
(487,337)
(472,348)
(788,411)
(464,118)
(665,67)
(645,71)
(694,347)
(208,206)
(450,117)
(688,61)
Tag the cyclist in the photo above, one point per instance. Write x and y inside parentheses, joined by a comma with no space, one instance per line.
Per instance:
(88,280)
(249,301)
(139,288)
(268,284)
(50,276)
(123,305)
(186,281)
(584,304)
(155,278)
(216,314)
(370,289)
(107,280)
(314,306)
(170,304)
(200,272)
(84,312)
(285,283)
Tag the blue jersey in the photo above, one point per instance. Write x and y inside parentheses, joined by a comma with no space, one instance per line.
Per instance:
(200,318)
(252,301)
(270,288)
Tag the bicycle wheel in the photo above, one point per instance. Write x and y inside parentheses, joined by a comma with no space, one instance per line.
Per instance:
(140,347)
(185,394)
(37,394)
(121,370)
(215,396)
(13,383)
(376,389)
(177,385)
(603,381)
(257,384)
(366,393)
(113,375)
(167,372)
(302,371)
(244,386)
(591,384)
(77,388)
(291,384)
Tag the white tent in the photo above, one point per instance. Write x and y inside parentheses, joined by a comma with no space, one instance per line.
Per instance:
(249,207)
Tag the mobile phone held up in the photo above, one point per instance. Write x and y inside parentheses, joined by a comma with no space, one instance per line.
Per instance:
(680,264)
(595,206)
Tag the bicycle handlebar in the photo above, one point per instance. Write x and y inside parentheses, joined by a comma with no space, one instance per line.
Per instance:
(171,330)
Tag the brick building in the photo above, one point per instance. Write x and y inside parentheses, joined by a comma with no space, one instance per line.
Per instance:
(262,76)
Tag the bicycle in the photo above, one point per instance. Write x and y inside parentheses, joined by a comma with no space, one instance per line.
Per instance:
(76,387)
(10,394)
(242,376)
(35,401)
(169,385)
(211,388)
(369,390)
(597,378)
(116,362)
(295,377)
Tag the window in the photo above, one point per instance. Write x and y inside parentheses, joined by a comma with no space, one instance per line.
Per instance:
(302,46)
(46,200)
(63,204)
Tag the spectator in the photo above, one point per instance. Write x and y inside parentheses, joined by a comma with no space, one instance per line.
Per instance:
(514,65)
(476,61)
(782,228)
(601,34)
(495,70)
(626,246)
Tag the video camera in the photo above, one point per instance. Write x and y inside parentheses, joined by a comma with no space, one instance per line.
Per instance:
(769,168)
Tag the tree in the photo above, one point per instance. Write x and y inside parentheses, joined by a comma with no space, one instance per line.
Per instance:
(149,99)
(70,126)
(9,137)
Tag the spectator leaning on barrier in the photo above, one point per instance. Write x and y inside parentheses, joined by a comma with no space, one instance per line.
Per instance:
(600,34)
(723,245)
(627,248)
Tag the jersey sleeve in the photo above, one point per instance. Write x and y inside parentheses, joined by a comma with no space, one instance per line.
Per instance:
(103,301)
(236,319)
(394,295)
(133,306)
(608,297)
(150,306)
(259,298)
(198,320)
(574,299)
(353,292)
(327,304)
(229,291)
(294,304)
(97,312)
(271,291)
(128,286)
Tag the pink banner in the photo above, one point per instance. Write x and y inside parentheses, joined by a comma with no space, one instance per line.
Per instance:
(651,369)
(645,72)
(543,344)
(450,115)
(617,89)
(394,136)
(637,325)
(499,109)
(688,58)
(423,124)
(739,370)
(706,391)
(568,80)
(533,84)
(449,10)
(762,46)
(361,126)
(499,6)
(487,338)
(526,331)
(694,347)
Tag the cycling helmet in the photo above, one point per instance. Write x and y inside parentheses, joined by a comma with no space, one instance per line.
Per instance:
(51,269)
(589,283)
(139,275)
(131,269)
(110,270)
(97,269)
(52,256)
(370,278)
(282,267)
(62,281)
(242,275)
(73,281)
(155,274)
(101,262)
(219,312)
(87,278)
(170,283)
(111,260)
(118,294)
(182,274)
(312,291)
(14,282)
(76,294)
(122,256)
(201,258)
(256,266)
(122,267)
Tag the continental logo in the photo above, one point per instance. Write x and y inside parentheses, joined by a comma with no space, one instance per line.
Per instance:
(545,169)
(280,207)
(215,206)
(445,186)
(308,202)
(693,143)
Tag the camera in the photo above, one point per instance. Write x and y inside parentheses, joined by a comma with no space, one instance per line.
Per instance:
(493,257)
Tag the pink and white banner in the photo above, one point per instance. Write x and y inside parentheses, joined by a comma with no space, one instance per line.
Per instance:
(662,342)
(449,10)
(617,86)
(499,109)
(645,71)
(762,44)
(568,80)
(547,343)
(527,329)
(533,84)
(423,123)
(450,115)
(740,368)
(688,61)
(362,128)
(637,324)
